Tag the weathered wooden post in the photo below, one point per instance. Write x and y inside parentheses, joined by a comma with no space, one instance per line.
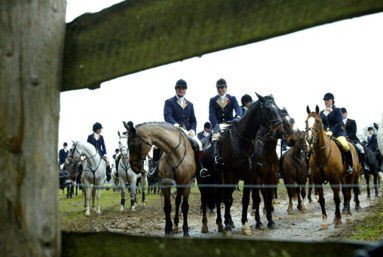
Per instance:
(31,47)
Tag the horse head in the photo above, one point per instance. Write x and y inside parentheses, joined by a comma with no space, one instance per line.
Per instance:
(313,125)
(123,145)
(138,147)
(270,115)
(288,133)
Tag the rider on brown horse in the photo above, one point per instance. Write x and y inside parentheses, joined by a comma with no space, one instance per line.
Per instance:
(333,124)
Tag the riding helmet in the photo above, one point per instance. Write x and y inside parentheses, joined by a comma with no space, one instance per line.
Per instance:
(181,83)
(246,99)
(97,126)
(221,83)
(328,96)
(343,110)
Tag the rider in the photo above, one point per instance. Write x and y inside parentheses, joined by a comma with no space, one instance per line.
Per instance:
(206,131)
(180,112)
(333,124)
(63,153)
(246,102)
(221,109)
(97,140)
(372,144)
(349,125)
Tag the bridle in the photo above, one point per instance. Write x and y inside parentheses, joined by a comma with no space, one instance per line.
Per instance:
(75,150)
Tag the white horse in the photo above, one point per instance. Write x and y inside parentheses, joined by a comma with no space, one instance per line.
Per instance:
(93,175)
(126,174)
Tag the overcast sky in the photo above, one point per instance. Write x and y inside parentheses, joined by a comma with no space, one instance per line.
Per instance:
(345,58)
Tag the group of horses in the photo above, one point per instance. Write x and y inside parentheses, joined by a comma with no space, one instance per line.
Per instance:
(248,150)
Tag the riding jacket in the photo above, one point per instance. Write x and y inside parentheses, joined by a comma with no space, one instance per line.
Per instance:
(372,143)
(351,128)
(99,144)
(334,122)
(183,115)
(222,111)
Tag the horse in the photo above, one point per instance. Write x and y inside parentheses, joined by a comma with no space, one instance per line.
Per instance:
(237,147)
(153,177)
(373,163)
(126,174)
(295,171)
(176,166)
(263,173)
(93,174)
(327,166)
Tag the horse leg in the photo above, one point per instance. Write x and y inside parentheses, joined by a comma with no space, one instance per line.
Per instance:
(268,199)
(245,203)
(376,184)
(322,202)
(344,192)
(167,210)
(176,215)
(356,190)
(204,198)
(218,206)
(290,193)
(298,192)
(98,198)
(143,184)
(185,210)
(310,184)
(228,201)
(123,189)
(338,217)
(303,194)
(133,191)
(94,198)
(256,202)
(367,178)
(87,200)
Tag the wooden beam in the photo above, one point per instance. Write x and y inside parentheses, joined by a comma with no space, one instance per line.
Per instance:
(120,245)
(31,52)
(140,34)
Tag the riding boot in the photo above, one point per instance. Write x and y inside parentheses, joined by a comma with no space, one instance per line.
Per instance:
(217,158)
(203,172)
(108,173)
(349,164)
(363,162)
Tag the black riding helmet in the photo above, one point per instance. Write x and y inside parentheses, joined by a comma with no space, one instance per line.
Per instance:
(328,96)
(181,83)
(221,83)
(97,126)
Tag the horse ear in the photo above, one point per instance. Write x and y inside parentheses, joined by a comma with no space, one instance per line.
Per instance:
(317,109)
(308,109)
(260,97)
(119,134)
(126,125)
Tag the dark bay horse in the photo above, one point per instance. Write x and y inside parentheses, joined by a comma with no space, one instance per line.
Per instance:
(237,148)
(373,163)
(176,166)
(295,171)
(263,173)
(327,166)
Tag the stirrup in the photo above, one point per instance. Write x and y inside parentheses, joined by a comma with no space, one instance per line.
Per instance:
(366,168)
(218,160)
(349,170)
(204,173)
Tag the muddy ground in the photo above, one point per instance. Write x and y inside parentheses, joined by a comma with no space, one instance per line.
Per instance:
(149,219)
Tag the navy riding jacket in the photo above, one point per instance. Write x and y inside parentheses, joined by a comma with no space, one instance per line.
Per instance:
(174,113)
(372,143)
(334,122)
(218,115)
(351,128)
(62,155)
(99,144)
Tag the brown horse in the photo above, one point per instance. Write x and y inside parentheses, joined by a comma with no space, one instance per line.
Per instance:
(327,166)
(295,171)
(176,166)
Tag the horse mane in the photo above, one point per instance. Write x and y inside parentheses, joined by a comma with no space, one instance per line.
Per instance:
(161,124)
(256,104)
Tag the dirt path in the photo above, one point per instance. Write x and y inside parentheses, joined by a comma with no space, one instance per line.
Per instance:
(149,220)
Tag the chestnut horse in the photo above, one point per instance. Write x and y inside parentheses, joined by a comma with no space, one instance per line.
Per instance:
(327,166)
(237,148)
(295,171)
(176,166)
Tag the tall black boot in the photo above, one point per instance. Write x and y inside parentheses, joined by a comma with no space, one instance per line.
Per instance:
(217,158)
(362,157)
(108,173)
(203,172)
(349,168)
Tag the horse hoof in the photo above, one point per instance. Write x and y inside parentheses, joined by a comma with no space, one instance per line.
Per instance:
(220,228)
(98,212)
(122,208)
(290,211)
(271,225)
(358,208)
(324,226)
(87,213)
(204,229)
(186,234)
(337,223)
(144,203)
(246,230)
(133,208)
